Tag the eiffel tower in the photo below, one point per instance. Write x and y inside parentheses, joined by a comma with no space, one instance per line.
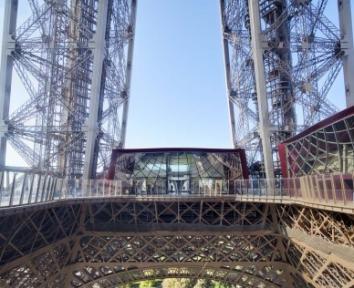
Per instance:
(277,210)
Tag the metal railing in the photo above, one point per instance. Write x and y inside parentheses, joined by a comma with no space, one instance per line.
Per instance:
(21,188)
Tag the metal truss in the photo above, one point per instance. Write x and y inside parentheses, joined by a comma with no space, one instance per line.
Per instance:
(112,243)
(321,245)
(231,275)
(282,57)
(74,60)
(331,226)
(320,269)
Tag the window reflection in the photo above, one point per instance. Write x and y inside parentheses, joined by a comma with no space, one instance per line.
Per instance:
(158,171)
(327,147)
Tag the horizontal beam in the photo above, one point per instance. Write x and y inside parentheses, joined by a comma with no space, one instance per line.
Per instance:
(341,207)
(342,254)
(181,229)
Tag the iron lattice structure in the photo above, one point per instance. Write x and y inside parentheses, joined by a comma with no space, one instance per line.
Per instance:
(75,244)
(74,60)
(282,58)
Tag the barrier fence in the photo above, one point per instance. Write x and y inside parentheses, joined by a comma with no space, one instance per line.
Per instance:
(20,188)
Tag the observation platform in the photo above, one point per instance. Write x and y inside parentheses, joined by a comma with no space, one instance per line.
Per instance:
(173,174)
(190,213)
(329,192)
(249,232)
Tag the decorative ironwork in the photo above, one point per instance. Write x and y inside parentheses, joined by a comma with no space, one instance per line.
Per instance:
(332,226)
(282,58)
(175,212)
(74,60)
(327,147)
(116,242)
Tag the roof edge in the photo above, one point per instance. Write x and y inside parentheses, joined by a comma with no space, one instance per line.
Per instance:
(323,123)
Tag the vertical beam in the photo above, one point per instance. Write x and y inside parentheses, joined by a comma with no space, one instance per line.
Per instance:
(346,29)
(257,54)
(69,84)
(228,73)
(129,72)
(10,19)
(98,44)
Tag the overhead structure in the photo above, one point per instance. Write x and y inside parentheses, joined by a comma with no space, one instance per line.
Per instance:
(175,212)
(100,243)
(282,58)
(73,59)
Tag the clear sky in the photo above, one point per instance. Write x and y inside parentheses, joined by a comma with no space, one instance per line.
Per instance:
(178,93)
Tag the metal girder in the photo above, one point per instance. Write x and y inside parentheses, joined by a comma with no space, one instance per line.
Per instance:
(332,226)
(346,28)
(102,115)
(97,88)
(76,94)
(111,243)
(318,268)
(235,275)
(281,69)
(10,19)
(263,114)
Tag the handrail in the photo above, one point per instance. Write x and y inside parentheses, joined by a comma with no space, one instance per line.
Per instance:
(22,188)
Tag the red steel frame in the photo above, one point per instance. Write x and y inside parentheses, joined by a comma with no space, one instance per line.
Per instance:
(284,147)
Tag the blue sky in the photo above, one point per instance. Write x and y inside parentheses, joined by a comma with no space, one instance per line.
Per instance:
(178,93)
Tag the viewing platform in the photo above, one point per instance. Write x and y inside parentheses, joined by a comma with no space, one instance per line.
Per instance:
(330,192)
(172,201)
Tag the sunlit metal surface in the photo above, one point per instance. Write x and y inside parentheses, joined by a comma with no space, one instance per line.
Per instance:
(282,58)
(177,212)
(100,242)
(74,61)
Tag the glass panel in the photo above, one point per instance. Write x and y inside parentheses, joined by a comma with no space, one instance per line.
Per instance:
(348,187)
(337,181)
(328,149)
(154,171)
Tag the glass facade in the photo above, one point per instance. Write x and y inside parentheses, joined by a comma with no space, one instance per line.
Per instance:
(327,147)
(176,171)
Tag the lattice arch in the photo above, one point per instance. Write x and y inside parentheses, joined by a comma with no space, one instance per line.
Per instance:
(72,244)
(236,276)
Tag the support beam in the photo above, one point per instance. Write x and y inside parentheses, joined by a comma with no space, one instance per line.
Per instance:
(96,96)
(227,275)
(128,72)
(228,74)
(346,29)
(8,44)
(257,54)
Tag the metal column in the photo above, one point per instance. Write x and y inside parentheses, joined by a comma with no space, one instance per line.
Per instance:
(128,73)
(96,90)
(8,45)
(227,75)
(257,54)
(345,22)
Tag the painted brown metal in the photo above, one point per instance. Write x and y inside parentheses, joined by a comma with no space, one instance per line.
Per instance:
(114,242)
